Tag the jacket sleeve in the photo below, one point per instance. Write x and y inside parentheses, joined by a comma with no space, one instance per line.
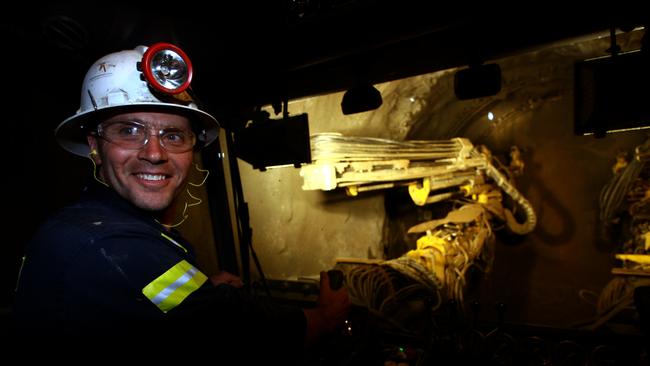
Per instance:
(235,320)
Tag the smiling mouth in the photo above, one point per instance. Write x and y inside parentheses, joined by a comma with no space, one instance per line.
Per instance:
(152,177)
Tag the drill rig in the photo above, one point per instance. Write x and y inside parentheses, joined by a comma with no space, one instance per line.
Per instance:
(434,171)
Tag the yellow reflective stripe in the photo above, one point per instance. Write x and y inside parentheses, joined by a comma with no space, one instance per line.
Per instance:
(173,241)
(173,286)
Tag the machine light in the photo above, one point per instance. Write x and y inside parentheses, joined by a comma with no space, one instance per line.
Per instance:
(361,98)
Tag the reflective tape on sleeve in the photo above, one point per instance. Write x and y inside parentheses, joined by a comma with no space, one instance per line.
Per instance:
(172,287)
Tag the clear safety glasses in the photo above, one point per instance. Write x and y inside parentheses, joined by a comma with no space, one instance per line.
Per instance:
(134,135)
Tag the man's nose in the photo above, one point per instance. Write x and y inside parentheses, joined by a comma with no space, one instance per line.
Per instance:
(153,150)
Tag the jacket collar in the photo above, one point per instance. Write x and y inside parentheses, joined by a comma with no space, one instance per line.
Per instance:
(94,191)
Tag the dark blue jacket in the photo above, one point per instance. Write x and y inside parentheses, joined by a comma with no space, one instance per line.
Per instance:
(85,270)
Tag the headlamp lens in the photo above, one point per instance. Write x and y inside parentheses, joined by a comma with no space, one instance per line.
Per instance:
(167,68)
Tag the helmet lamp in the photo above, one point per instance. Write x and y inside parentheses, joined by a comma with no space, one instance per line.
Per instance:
(167,68)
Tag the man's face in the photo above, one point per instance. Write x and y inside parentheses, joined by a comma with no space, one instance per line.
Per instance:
(149,177)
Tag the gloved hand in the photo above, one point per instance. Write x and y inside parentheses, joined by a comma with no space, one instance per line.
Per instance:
(330,313)
(227,278)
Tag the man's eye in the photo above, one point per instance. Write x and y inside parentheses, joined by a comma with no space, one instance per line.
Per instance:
(175,136)
(128,130)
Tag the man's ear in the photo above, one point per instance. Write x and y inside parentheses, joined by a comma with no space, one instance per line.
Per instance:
(94,155)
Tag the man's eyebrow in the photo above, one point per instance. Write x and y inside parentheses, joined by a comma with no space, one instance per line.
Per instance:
(125,120)
(162,124)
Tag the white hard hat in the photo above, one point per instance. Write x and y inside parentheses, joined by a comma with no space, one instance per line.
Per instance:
(145,78)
